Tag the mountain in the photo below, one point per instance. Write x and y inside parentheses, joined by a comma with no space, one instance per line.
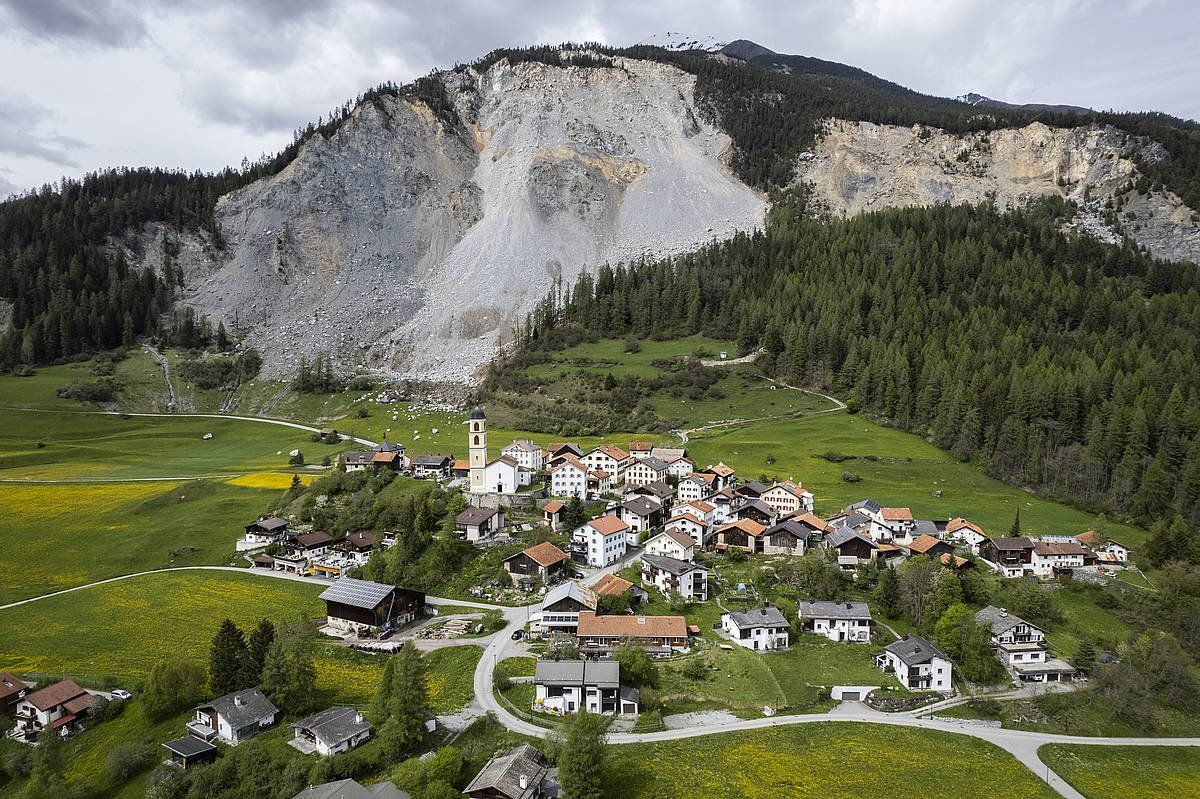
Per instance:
(676,41)
(412,232)
(979,101)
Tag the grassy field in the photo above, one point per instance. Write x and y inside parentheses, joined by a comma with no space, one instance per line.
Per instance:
(55,536)
(609,356)
(821,761)
(1117,772)
(117,632)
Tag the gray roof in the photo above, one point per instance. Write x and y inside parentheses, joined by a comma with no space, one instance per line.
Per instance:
(668,453)
(189,746)
(999,620)
(752,486)
(869,505)
(841,535)
(670,565)
(642,506)
(387,446)
(355,456)
(657,488)
(349,789)
(270,523)
(430,460)
(356,593)
(790,526)
(654,463)
(477,413)
(853,519)
(602,673)
(253,707)
(524,444)
(334,725)
(834,610)
(569,589)
(503,773)
(758,505)
(475,515)
(768,616)
(913,650)
(925,527)
(1021,542)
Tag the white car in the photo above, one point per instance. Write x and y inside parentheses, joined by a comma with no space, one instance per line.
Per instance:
(121,693)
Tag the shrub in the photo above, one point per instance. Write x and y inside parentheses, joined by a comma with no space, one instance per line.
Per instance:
(695,669)
(103,390)
(632,345)
(835,457)
(362,412)
(770,459)
(127,760)
(850,477)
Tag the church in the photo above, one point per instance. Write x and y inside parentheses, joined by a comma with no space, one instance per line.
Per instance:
(501,476)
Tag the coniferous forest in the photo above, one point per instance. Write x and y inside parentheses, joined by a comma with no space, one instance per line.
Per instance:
(1060,363)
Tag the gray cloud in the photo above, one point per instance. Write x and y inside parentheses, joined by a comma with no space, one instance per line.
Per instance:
(109,23)
(23,133)
(7,187)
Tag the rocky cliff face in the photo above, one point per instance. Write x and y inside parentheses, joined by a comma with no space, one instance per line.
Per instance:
(414,247)
(860,166)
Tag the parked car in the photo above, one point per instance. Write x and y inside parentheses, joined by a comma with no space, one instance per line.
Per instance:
(121,693)
(518,635)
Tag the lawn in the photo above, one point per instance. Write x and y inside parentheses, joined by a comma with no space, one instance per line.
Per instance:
(55,536)
(825,760)
(609,356)
(1117,772)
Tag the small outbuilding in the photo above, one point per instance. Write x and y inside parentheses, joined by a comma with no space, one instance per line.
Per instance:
(189,751)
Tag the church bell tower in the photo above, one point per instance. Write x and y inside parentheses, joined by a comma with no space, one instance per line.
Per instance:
(477,446)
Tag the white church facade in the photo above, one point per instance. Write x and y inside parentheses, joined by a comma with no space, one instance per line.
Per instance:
(501,476)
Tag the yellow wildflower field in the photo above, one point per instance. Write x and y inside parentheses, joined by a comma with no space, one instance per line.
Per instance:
(825,760)
(1116,772)
(274,480)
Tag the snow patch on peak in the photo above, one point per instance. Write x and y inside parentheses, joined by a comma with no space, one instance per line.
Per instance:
(674,40)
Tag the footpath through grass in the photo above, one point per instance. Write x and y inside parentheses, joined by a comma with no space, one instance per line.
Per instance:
(825,760)
(1123,772)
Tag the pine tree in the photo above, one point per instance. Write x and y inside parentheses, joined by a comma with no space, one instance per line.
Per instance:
(405,727)
(226,659)
(1015,530)
(581,761)
(1085,657)
(887,594)
(289,675)
(256,652)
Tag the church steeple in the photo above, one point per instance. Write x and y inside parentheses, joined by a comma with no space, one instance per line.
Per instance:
(477,447)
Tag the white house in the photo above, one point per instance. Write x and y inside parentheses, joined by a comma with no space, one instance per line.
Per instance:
(787,498)
(234,717)
(60,707)
(526,453)
(672,543)
(331,732)
(1021,647)
(641,514)
(837,621)
(609,459)
(267,530)
(694,487)
(692,526)
(959,529)
(605,539)
(917,664)
(893,525)
(566,686)
(569,478)
(479,524)
(760,629)
(680,467)
(672,575)
(562,604)
(643,471)
(1051,557)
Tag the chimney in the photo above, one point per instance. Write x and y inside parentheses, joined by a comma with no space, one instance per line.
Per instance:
(237,700)
(524,781)
(1003,612)
(358,718)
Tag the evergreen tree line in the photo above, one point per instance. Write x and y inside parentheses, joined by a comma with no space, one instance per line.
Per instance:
(1058,362)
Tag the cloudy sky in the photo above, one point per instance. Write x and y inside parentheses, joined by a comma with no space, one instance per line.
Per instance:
(98,83)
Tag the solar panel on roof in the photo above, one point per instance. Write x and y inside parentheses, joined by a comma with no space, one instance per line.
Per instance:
(357,593)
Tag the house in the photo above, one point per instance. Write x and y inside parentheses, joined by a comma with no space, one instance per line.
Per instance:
(852,547)
(761,629)
(756,510)
(643,471)
(929,545)
(1012,557)
(1108,552)
(569,478)
(460,469)
(544,560)
(479,524)
(356,547)
(233,718)
(609,459)
(745,534)
(556,452)
(301,549)
(1021,647)
(722,476)
(436,467)
(505,476)
(855,520)
(673,543)
(693,487)
(959,529)
(615,585)
(750,489)
(955,563)
(526,454)
(604,539)
(12,690)
(363,608)
(188,751)
(662,492)
(837,621)
(917,664)
(330,732)
(552,514)
(562,605)
(567,686)
(390,459)
(350,789)
(640,449)
(60,706)
(1051,558)
(690,525)
(893,525)
(669,454)
(599,483)
(267,530)
(604,634)
(671,575)
(788,497)
(354,460)
(519,773)
(789,537)
(641,514)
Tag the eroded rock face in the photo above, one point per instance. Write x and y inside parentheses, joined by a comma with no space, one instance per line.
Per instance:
(414,248)
(861,166)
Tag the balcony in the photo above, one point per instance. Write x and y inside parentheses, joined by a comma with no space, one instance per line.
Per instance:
(198,729)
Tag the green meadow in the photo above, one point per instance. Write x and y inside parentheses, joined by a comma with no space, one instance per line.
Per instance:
(1117,772)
